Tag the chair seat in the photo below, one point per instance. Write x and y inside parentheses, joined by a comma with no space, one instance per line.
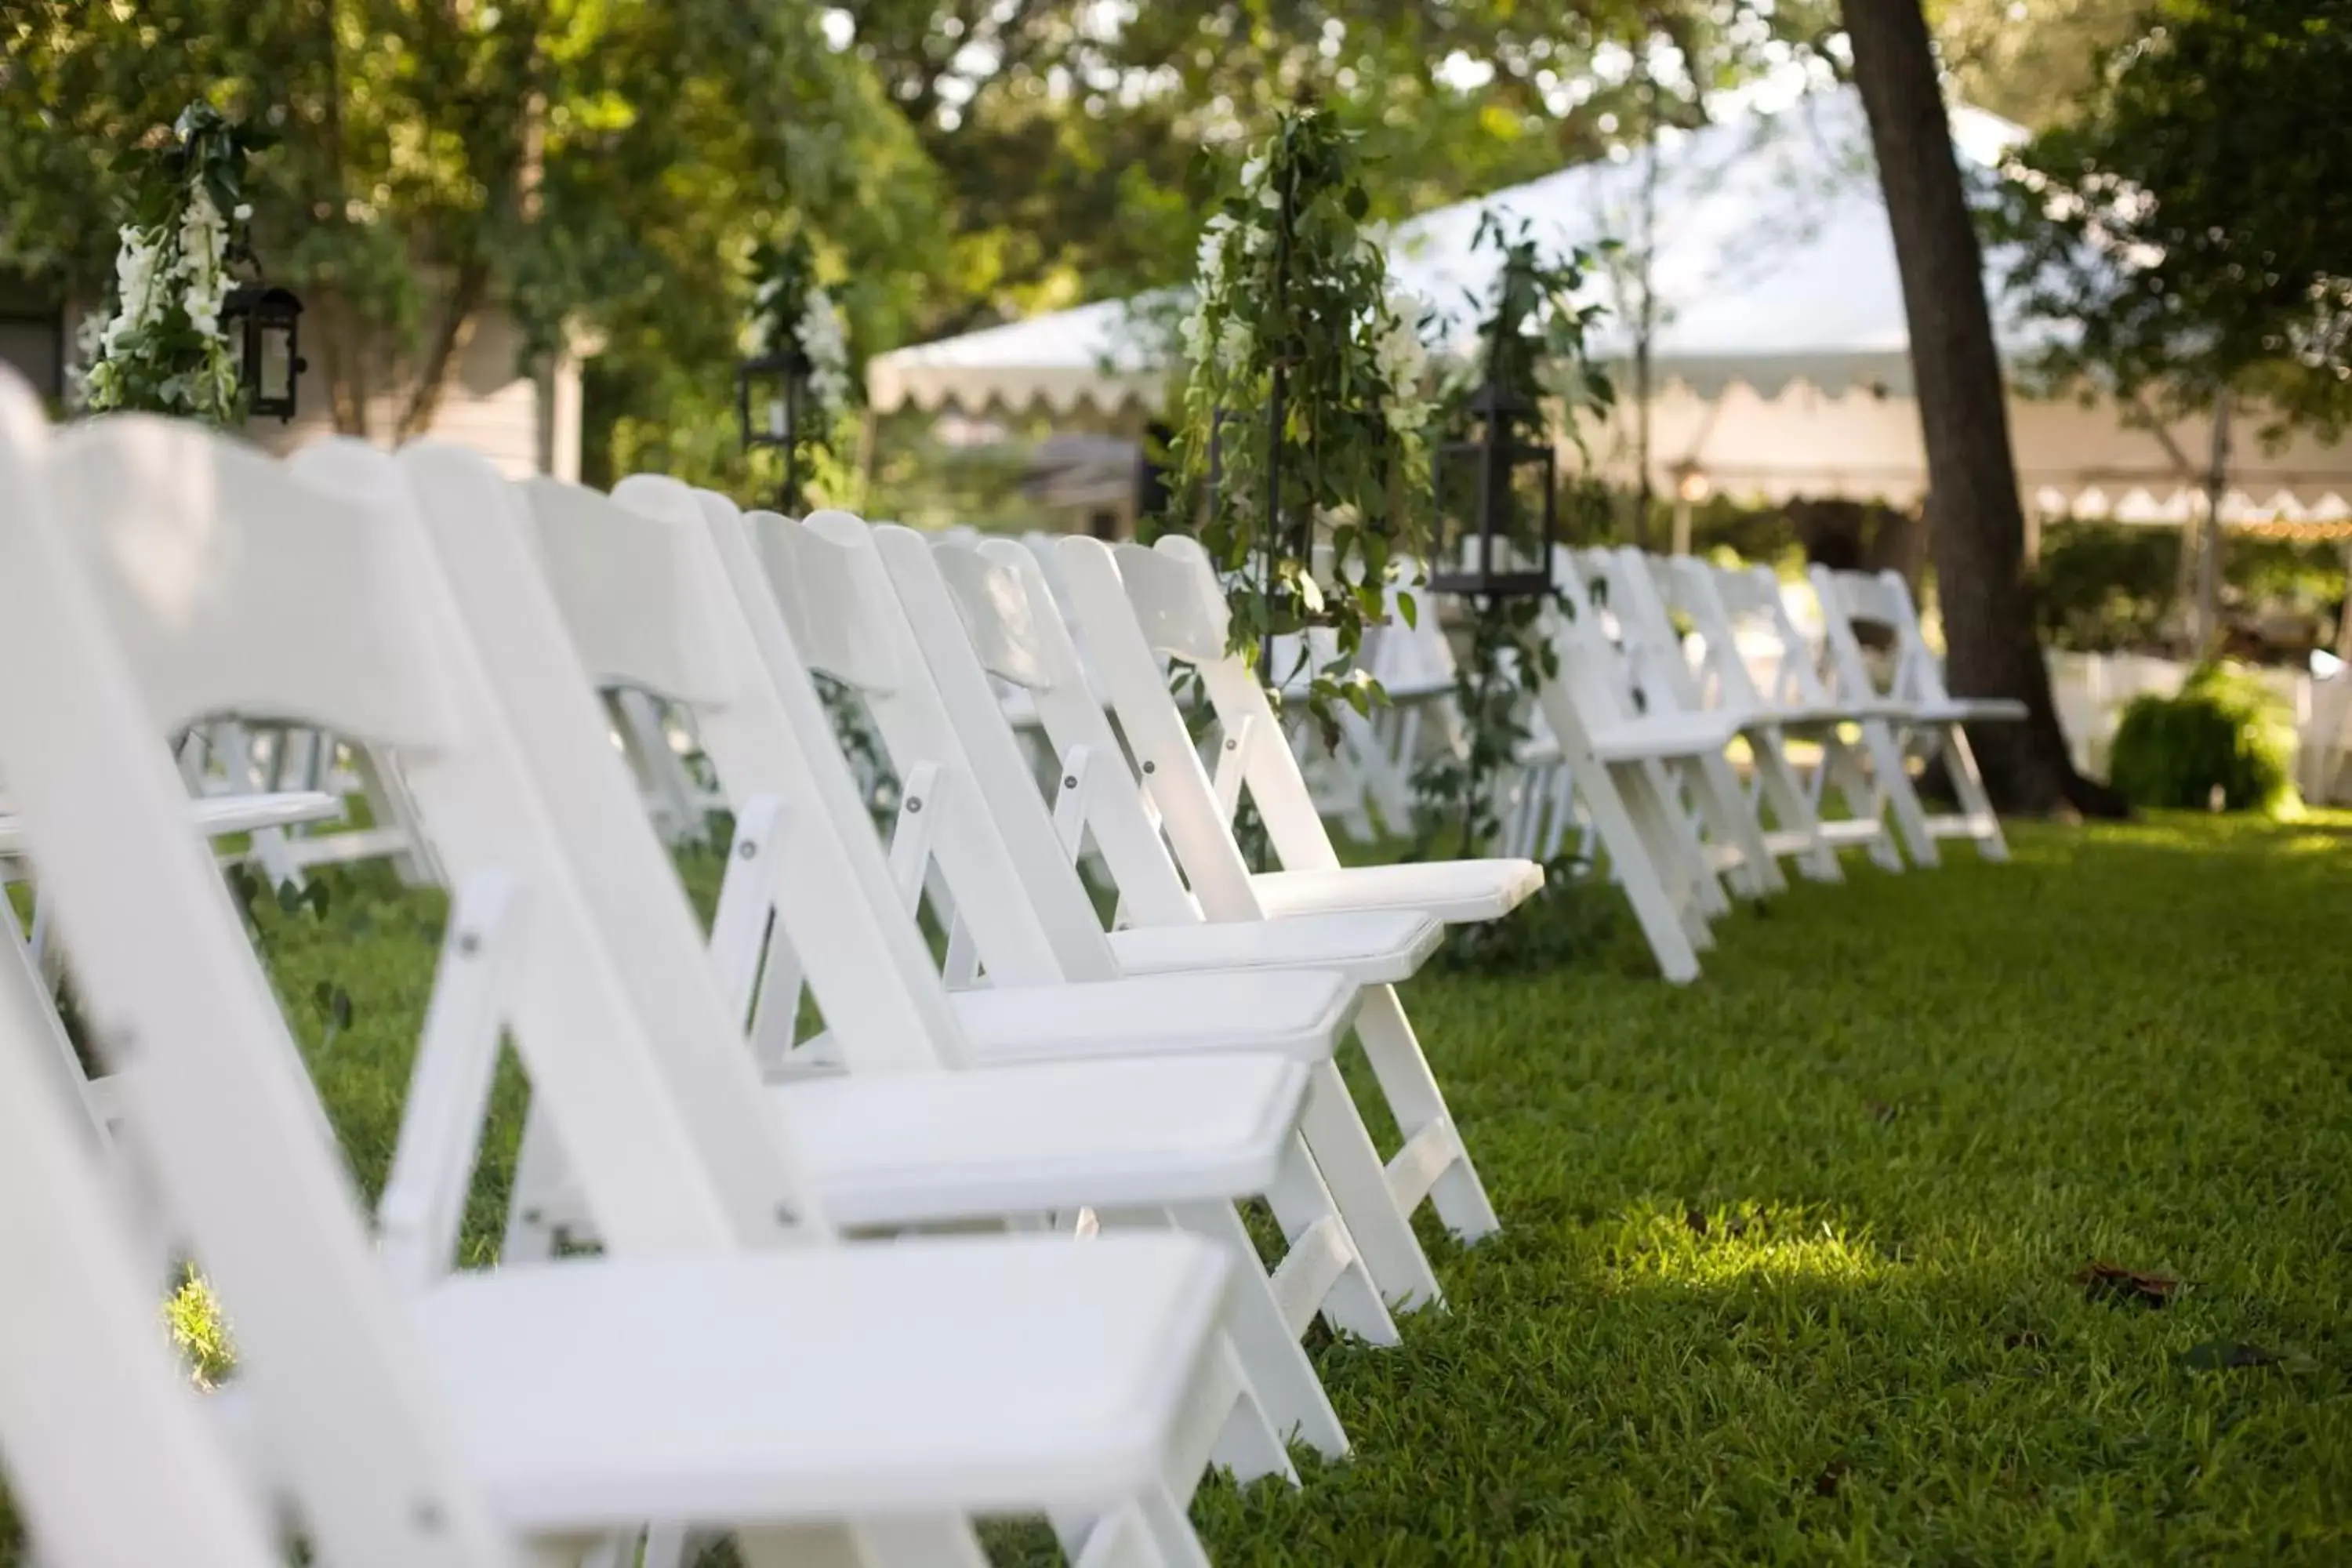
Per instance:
(1817,716)
(902,1149)
(1968,710)
(1375,947)
(943,1374)
(1665,736)
(218,816)
(1454,891)
(1294,1013)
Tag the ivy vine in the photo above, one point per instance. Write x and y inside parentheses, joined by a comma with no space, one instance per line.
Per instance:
(1533,346)
(1303,406)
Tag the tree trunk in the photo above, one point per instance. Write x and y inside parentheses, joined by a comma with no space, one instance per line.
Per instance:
(1976,523)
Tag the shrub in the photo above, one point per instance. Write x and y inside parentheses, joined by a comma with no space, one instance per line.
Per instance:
(2224,732)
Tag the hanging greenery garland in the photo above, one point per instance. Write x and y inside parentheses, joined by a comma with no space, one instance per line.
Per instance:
(1533,347)
(161,347)
(793,315)
(1303,406)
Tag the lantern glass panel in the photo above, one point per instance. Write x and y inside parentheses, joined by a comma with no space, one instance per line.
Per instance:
(275,382)
(1495,517)
(767,398)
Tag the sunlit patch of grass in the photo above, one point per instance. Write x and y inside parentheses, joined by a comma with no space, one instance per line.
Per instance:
(200,1331)
(1771,1244)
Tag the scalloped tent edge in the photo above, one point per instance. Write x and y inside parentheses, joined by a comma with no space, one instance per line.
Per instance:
(1781,366)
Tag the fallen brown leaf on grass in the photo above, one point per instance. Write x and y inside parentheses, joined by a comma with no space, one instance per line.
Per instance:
(2113,1282)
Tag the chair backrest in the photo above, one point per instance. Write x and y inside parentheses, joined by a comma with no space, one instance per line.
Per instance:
(1015,628)
(1594,689)
(1134,604)
(1689,585)
(652,579)
(1655,659)
(93,1411)
(132,550)
(844,614)
(1850,599)
(1034,650)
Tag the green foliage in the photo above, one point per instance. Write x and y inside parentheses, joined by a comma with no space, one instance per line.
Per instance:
(1303,405)
(594,169)
(2223,738)
(199,1331)
(162,347)
(2187,229)
(1535,378)
(792,317)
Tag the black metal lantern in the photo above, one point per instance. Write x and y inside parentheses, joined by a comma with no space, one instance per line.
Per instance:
(269,320)
(770,389)
(1496,509)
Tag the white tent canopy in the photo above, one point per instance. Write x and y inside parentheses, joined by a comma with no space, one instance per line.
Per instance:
(1779,354)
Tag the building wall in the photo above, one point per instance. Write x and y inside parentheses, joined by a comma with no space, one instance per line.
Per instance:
(525,424)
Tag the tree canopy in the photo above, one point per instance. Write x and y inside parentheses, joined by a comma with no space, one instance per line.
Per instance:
(2189,226)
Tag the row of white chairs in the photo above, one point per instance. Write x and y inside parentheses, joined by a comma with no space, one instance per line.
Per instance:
(768,1338)
(1672,669)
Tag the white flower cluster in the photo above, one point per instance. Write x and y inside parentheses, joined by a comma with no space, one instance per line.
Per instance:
(156,270)
(1213,289)
(825,339)
(817,330)
(1403,361)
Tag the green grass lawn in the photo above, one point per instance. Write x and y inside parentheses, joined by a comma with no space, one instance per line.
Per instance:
(1792,1266)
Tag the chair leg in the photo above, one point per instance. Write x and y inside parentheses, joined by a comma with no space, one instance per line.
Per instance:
(920,1542)
(1150,1532)
(1777,785)
(1863,799)
(1675,852)
(1276,1365)
(1725,806)
(1968,782)
(1630,853)
(1658,799)
(1894,781)
(538,1181)
(1345,1179)
(670,1546)
(1418,1106)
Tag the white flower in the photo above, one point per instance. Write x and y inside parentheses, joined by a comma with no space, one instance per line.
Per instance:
(823,337)
(1233,344)
(1253,173)
(243,213)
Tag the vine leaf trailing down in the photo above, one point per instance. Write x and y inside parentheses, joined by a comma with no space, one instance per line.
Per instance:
(1301,452)
(1534,350)
(160,348)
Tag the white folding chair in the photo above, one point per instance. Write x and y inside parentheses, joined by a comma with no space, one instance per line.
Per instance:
(1131,605)
(646,582)
(1658,676)
(1195,814)
(108,1457)
(1009,625)
(1928,713)
(716,1366)
(877,612)
(1620,763)
(1740,618)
